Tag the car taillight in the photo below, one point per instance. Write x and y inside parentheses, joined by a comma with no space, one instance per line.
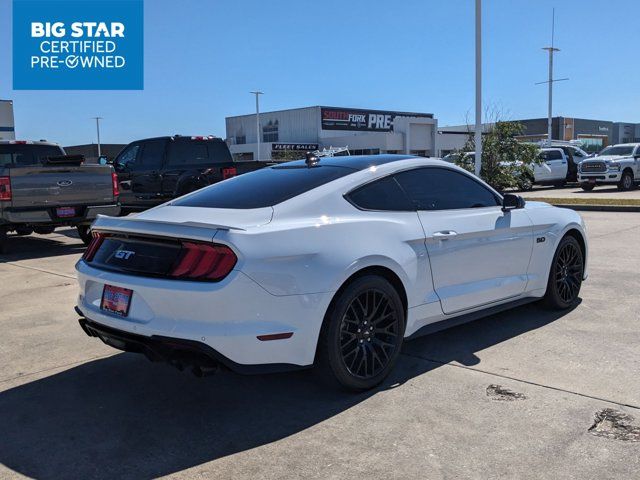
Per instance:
(114,184)
(93,246)
(200,261)
(5,188)
(229,172)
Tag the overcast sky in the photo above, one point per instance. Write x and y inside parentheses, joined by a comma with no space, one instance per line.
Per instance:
(202,57)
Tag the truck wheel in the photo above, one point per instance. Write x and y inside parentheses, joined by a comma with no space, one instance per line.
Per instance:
(3,240)
(84,234)
(565,275)
(362,334)
(587,187)
(23,231)
(44,230)
(525,183)
(626,182)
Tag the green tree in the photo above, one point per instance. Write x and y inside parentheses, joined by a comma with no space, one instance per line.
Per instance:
(506,162)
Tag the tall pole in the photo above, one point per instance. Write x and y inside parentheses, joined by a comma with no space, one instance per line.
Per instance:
(552,49)
(478,132)
(257,93)
(97,119)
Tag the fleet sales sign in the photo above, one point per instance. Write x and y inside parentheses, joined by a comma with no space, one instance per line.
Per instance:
(78,45)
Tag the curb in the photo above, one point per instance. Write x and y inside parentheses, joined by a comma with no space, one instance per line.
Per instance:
(599,208)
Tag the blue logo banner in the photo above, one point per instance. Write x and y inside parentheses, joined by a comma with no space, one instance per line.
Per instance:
(78,45)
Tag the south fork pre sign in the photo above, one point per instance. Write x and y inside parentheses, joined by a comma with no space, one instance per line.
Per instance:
(363,120)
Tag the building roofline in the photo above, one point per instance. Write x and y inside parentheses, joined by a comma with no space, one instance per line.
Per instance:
(407,114)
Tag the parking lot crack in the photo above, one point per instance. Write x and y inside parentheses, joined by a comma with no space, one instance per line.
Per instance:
(64,275)
(521,380)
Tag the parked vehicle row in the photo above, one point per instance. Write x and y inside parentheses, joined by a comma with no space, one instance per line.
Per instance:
(41,189)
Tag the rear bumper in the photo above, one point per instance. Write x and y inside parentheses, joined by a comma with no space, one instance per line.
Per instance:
(227,316)
(180,353)
(46,216)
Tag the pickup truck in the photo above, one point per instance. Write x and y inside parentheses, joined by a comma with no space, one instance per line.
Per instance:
(155,170)
(618,165)
(41,188)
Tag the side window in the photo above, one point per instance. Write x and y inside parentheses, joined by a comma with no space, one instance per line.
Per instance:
(383,194)
(637,151)
(577,153)
(189,152)
(444,189)
(152,154)
(128,157)
(546,155)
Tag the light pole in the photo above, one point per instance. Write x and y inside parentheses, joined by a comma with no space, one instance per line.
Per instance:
(550,81)
(478,132)
(97,119)
(257,93)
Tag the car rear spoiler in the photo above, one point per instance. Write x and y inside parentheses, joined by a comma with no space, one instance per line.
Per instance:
(189,230)
(65,160)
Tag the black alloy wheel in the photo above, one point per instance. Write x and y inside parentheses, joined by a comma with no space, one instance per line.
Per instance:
(362,334)
(565,278)
(368,334)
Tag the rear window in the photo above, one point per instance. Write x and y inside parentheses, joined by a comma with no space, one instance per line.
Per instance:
(21,154)
(198,152)
(384,194)
(263,188)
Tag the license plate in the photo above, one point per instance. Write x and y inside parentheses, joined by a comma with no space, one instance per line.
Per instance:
(592,180)
(116,300)
(66,212)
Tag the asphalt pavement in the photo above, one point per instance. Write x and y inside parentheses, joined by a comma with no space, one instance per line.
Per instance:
(524,394)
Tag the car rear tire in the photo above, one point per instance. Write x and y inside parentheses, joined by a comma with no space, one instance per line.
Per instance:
(44,230)
(24,231)
(362,334)
(626,182)
(84,234)
(587,187)
(565,275)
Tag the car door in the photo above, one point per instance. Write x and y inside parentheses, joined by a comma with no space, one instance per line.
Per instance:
(554,166)
(478,253)
(123,165)
(146,177)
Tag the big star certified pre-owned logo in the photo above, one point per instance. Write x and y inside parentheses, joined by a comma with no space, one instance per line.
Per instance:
(77,45)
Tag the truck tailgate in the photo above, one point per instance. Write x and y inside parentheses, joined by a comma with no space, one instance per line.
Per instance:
(51,186)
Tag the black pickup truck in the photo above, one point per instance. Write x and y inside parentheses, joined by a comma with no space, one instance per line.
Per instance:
(155,170)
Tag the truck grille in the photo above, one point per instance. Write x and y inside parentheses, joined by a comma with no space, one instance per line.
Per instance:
(593,167)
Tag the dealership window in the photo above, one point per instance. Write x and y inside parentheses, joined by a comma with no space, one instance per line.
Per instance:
(419,153)
(270,132)
(241,139)
(365,151)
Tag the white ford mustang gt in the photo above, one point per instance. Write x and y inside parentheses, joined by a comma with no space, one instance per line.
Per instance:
(329,263)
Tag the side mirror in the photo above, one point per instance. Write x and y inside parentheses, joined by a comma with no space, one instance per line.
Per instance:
(511,202)
(636,156)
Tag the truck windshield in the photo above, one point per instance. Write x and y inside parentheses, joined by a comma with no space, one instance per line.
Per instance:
(621,150)
(25,154)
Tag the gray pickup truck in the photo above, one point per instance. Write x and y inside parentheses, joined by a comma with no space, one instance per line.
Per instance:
(41,188)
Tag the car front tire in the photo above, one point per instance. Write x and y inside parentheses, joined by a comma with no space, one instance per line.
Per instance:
(362,334)
(565,275)
(587,187)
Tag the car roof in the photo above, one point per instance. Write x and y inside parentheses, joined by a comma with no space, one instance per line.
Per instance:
(355,162)
(631,144)
(28,142)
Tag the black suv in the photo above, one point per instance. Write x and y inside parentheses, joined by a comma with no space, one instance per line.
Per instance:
(155,170)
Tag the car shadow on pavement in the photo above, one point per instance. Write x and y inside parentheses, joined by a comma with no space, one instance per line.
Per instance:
(40,246)
(122,417)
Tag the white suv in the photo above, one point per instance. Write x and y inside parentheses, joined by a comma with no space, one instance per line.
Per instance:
(617,164)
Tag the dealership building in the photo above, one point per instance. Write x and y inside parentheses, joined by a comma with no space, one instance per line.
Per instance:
(593,135)
(7,127)
(362,131)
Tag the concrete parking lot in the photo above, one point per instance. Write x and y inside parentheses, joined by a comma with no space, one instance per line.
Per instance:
(510,396)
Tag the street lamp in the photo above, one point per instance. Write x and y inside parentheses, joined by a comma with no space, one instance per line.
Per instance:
(257,93)
(97,119)
(478,132)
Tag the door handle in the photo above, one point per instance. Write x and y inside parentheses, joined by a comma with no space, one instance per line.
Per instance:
(444,234)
